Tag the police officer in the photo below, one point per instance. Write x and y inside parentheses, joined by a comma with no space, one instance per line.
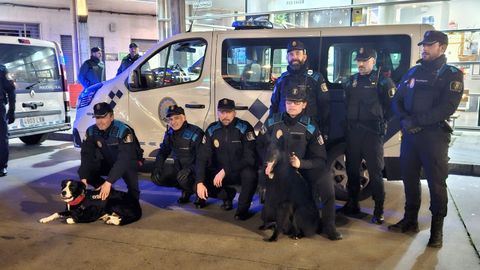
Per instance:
(92,71)
(227,158)
(109,150)
(367,99)
(182,140)
(304,142)
(130,58)
(427,96)
(7,96)
(300,77)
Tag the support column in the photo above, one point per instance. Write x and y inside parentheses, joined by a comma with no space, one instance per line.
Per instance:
(177,9)
(80,39)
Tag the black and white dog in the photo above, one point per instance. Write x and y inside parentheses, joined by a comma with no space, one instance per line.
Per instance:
(289,205)
(84,206)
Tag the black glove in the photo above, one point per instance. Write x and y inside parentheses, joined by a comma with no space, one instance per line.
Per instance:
(157,170)
(183,174)
(409,125)
(11,116)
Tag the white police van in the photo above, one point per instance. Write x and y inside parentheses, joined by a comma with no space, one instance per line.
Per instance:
(195,70)
(42,99)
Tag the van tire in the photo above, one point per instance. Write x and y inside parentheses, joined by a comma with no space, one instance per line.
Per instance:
(34,139)
(337,169)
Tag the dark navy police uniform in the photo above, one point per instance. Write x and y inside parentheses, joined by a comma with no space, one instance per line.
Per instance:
(128,60)
(7,96)
(427,96)
(367,100)
(111,153)
(92,70)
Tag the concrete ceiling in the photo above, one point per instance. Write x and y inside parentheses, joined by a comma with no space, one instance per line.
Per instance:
(126,6)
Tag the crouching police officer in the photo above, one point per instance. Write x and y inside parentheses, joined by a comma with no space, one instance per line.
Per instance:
(227,158)
(305,144)
(7,96)
(427,96)
(182,140)
(367,99)
(109,150)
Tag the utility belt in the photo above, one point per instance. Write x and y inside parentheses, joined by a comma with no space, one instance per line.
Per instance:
(377,127)
(443,126)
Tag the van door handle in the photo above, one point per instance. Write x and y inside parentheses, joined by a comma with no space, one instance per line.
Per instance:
(195,106)
(241,108)
(32,105)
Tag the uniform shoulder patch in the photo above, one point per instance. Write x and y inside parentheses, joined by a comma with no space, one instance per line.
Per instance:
(456,86)
(128,138)
(320,139)
(250,136)
(324,87)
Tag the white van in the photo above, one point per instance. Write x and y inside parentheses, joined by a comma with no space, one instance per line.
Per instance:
(195,70)
(42,105)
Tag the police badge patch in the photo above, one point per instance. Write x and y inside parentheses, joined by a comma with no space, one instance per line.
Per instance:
(412,83)
(216,143)
(128,138)
(204,139)
(99,144)
(250,136)
(354,84)
(320,140)
(324,87)
(279,134)
(456,86)
(391,92)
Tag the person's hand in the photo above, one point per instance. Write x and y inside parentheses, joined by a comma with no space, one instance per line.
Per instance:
(294,161)
(11,115)
(217,181)
(409,125)
(105,190)
(183,174)
(84,181)
(202,191)
(269,169)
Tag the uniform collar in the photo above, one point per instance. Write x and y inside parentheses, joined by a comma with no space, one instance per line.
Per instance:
(434,64)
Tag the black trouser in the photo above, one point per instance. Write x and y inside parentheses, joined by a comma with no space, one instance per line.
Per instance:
(168,177)
(323,186)
(367,145)
(247,178)
(427,149)
(130,177)
(3,136)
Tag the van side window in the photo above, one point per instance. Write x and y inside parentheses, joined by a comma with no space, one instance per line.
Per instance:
(393,56)
(255,64)
(178,63)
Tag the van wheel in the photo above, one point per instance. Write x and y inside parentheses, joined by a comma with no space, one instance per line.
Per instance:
(34,139)
(336,164)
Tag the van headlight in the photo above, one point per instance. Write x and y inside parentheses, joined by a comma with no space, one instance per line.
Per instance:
(86,97)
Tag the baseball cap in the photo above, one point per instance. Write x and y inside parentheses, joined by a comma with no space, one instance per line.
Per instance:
(297,94)
(433,36)
(101,109)
(295,45)
(226,104)
(133,45)
(95,49)
(365,53)
(175,110)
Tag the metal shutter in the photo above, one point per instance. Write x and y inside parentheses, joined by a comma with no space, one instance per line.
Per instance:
(66,43)
(20,29)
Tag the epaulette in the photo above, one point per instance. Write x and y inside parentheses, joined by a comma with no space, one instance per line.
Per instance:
(190,133)
(306,121)
(274,119)
(118,130)
(214,126)
(241,125)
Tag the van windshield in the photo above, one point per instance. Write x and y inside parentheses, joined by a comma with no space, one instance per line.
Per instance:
(31,65)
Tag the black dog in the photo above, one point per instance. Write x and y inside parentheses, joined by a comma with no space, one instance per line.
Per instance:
(289,205)
(84,206)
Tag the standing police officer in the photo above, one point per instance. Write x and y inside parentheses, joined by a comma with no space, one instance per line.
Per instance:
(305,145)
(299,77)
(367,99)
(7,96)
(182,140)
(130,58)
(427,96)
(227,158)
(110,150)
(92,71)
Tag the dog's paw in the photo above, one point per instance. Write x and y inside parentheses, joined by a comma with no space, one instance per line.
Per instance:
(104,218)
(113,220)
(70,220)
(49,218)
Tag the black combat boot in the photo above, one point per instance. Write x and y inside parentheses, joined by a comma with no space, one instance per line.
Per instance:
(185,197)
(378,217)
(200,203)
(405,225)
(436,232)
(351,208)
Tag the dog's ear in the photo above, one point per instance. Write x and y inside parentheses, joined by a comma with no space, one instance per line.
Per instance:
(64,183)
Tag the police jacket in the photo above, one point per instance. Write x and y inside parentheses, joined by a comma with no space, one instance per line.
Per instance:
(114,147)
(318,99)
(7,89)
(91,72)
(367,98)
(429,93)
(126,62)
(182,144)
(231,148)
(299,135)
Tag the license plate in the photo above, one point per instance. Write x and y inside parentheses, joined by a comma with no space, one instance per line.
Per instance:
(32,121)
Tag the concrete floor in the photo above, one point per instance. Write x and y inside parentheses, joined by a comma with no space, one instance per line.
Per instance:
(173,237)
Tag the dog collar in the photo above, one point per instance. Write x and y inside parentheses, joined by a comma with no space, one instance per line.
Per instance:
(77,200)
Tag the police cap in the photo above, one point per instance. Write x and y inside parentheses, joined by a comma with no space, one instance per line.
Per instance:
(175,110)
(365,53)
(133,45)
(95,49)
(297,94)
(295,45)
(432,36)
(226,104)
(101,110)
